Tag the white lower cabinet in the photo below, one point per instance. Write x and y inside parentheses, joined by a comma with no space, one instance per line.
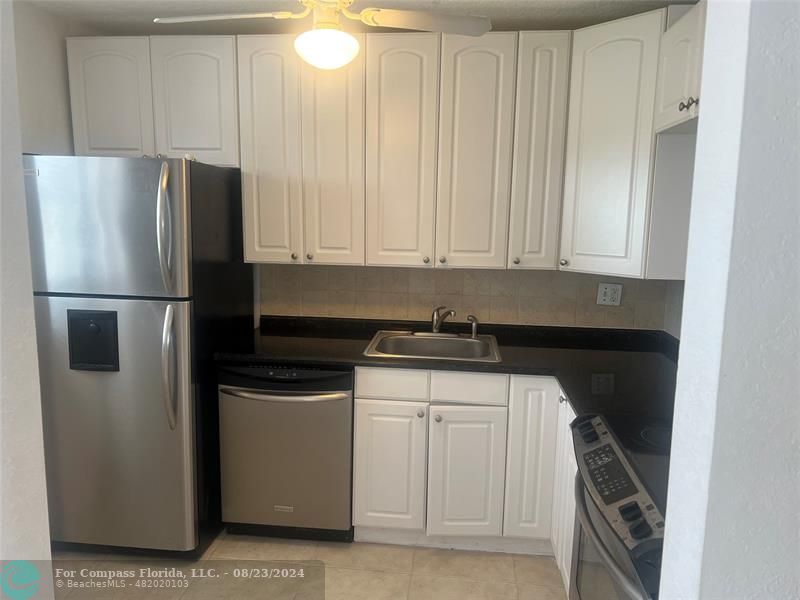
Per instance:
(389,463)
(467,470)
(563,518)
(485,444)
(532,418)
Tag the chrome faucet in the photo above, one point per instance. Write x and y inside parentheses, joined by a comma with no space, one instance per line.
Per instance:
(474,320)
(438,317)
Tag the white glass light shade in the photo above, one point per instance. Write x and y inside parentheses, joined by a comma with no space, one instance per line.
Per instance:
(326,48)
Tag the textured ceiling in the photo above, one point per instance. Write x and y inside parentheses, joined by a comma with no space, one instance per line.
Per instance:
(135,16)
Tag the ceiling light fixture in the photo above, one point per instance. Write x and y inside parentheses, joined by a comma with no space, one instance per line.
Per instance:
(326,46)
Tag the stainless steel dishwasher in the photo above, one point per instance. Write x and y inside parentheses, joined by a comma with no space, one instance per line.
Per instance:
(286,447)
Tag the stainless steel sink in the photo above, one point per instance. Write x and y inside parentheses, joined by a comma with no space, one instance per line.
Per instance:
(442,346)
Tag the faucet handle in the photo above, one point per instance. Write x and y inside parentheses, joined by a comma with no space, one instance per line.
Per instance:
(436,318)
(474,320)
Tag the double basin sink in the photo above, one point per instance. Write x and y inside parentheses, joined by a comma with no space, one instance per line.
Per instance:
(442,346)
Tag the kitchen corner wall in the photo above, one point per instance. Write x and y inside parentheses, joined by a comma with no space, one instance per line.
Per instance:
(673,309)
(45,120)
(512,297)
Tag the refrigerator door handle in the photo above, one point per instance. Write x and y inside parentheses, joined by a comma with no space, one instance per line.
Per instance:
(167,358)
(164,228)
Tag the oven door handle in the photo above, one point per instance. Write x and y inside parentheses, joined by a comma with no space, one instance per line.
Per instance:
(628,585)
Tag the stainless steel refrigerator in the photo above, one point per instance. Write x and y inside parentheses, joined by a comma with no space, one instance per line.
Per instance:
(138,277)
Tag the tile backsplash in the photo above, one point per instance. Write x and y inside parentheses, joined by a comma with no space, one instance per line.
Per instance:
(511,297)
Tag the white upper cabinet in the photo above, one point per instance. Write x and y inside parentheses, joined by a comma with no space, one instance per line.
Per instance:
(332,120)
(111,96)
(679,67)
(194,97)
(609,145)
(389,451)
(541,119)
(402,109)
(475,146)
(533,415)
(269,111)
(466,470)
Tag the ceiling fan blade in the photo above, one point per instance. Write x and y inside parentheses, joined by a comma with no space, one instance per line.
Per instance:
(426,21)
(198,18)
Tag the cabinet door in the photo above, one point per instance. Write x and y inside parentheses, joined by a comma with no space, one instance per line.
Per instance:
(466,470)
(402,110)
(389,464)
(333,162)
(532,418)
(609,145)
(475,144)
(541,120)
(269,110)
(563,520)
(111,96)
(679,68)
(194,97)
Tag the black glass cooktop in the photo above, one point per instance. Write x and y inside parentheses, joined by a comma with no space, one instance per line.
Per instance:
(646,442)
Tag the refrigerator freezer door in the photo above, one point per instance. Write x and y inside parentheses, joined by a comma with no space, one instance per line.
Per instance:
(116,226)
(119,444)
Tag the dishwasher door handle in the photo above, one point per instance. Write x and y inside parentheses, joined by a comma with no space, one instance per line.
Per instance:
(248,394)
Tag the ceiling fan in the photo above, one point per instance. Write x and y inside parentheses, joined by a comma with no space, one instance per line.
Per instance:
(327,46)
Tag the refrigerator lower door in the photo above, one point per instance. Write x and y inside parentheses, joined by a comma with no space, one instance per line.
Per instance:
(118,421)
(113,226)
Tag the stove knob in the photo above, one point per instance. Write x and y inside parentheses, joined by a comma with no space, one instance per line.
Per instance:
(640,529)
(630,511)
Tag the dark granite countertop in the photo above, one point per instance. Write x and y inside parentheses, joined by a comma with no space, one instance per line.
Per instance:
(604,371)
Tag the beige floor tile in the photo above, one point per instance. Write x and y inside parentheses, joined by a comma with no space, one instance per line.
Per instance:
(229,586)
(538,570)
(529,591)
(247,547)
(372,557)
(483,566)
(354,584)
(425,587)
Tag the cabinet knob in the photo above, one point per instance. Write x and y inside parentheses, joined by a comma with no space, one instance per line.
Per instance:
(442,259)
(683,106)
(692,101)
(426,259)
(438,418)
(516,260)
(294,255)
(563,262)
(310,256)
(420,413)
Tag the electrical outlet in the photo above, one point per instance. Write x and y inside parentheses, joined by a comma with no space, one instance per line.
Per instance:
(609,294)
(602,384)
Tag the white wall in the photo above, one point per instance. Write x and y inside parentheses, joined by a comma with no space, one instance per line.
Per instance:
(733,528)
(24,530)
(42,78)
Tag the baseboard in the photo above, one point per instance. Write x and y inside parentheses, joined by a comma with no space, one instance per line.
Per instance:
(402,537)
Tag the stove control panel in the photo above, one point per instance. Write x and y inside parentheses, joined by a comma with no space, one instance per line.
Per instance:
(613,484)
